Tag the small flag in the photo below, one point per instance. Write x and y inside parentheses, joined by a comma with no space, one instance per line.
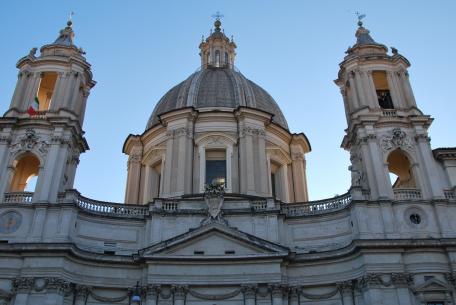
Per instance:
(31,109)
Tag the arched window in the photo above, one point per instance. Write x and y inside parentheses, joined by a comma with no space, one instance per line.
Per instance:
(25,171)
(217,58)
(45,91)
(382,89)
(400,169)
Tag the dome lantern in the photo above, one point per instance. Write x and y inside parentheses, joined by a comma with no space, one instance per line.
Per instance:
(217,51)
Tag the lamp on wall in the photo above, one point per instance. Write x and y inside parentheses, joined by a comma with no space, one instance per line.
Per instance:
(136,295)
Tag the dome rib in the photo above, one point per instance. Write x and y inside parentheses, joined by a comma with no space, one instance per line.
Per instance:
(217,87)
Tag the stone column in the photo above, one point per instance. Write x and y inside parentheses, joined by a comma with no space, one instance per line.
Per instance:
(179,295)
(19,90)
(355,104)
(168,165)
(370,89)
(277,295)
(81,293)
(55,290)
(30,90)
(298,165)
(346,292)
(22,287)
(182,179)
(73,98)
(285,183)
(407,88)
(262,178)
(60,167)
(55,102)
(59,91)
(395,95)
(362,98)
(247,163)
(134,173)
(152,292)
(428,164)
(371,285)
(5,170)
(82,109)
(249,294)
(378,170)
(294,296)
(402,281)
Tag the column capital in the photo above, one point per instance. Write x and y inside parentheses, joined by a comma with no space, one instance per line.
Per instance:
(345,287)
(278,290)
(402,279)
(82,291)
(249,291)
(23,284)
(179,291)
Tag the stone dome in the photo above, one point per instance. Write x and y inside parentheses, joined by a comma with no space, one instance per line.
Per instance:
(220,87)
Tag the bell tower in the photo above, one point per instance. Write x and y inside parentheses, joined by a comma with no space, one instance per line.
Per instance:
(387,133)
(41,134)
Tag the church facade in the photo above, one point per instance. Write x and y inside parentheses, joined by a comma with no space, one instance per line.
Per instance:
(216,207)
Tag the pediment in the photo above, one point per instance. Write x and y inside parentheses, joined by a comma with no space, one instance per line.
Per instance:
(432,285)
(214,241)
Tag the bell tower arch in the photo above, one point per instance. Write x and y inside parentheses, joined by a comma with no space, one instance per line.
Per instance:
(41,132)
(387,133)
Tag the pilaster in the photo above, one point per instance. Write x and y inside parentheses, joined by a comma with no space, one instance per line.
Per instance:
(346,291)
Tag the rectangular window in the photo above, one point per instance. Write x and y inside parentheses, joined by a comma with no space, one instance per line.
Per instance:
(45,91)
(382,89)
(215,166)
(435,303)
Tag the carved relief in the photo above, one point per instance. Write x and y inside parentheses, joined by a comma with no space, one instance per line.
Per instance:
(29,142)
(396,139)
(213,196)
(23,284)
(402,279)
(346,287)
(178,132)
(251,131)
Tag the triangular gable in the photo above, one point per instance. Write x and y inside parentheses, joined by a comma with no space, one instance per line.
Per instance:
(214,240)
(432,285)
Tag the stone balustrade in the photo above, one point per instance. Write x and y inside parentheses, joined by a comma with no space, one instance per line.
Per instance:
(318,206)
(407,194)
(390,113)
(450,194)
(176,205)
(18,197)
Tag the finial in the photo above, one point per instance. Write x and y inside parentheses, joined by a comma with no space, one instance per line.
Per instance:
(232,38)
(217,22)
(360,18)
(202,38)
(70,19)
(394,51)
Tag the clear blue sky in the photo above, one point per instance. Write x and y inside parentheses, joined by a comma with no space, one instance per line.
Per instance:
(140,49)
